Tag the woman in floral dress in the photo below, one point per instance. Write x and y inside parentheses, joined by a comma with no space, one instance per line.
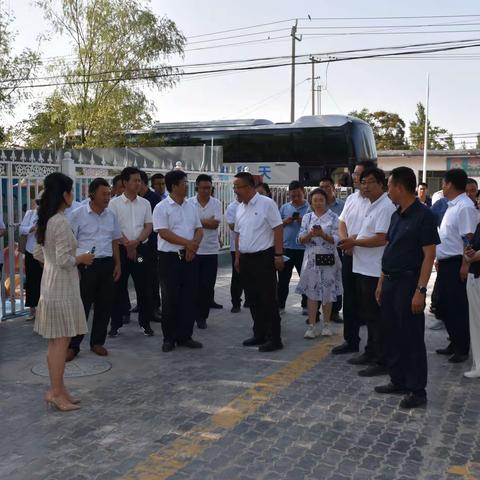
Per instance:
(321,277)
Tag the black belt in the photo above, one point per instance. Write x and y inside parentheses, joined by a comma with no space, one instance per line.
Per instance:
(258,254)
(180,254)
(103,259)
(451,259)
(398,275)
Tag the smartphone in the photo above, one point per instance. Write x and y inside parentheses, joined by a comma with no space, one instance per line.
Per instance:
(295,214)
(92,251)
(466,241)
(317,227)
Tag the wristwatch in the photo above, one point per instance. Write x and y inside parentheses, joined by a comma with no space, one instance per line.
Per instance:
(422,290)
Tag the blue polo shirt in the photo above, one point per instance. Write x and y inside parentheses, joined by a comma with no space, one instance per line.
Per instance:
(290,232)
(337,206)
(409,232)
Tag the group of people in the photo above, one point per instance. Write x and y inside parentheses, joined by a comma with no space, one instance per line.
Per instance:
(373,253)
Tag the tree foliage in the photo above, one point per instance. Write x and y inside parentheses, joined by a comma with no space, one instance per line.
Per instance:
(438,138)
(15,70)
(120,49)
(388,128)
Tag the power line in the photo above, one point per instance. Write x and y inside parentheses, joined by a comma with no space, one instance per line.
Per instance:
(245,68)
(457,44)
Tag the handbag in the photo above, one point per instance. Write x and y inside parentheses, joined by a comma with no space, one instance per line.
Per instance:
(324,259)
(22,243)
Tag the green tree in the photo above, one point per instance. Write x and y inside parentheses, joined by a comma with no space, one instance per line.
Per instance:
(438,138)
(47,125)
(15,70)
(119,48)
(388,128)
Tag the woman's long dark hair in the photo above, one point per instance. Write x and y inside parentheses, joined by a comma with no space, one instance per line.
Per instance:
(56,184)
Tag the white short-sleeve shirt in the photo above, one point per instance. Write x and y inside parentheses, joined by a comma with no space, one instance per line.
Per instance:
(182,220)
(210,244)
(230,215)
(368,261)
(255,222)
(460,219)
(131,216)
(353,212)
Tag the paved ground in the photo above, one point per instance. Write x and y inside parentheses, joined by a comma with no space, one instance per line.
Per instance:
(228,412)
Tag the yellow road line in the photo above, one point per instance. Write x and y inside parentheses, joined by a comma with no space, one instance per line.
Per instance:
(465,471)
(175,456)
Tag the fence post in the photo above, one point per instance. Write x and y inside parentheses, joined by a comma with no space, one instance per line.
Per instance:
(67,166)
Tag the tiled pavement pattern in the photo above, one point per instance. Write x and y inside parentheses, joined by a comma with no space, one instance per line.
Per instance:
(327,424)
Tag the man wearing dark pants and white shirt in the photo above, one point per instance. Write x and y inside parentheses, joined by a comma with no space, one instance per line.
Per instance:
(210,212)
(134,215)
(259,253)
(94,225)
(235,283)
(179,234)
(368,247)
(351,219)
(456,230)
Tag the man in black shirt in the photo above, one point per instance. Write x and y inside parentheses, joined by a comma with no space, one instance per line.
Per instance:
(153,198)
(406,268)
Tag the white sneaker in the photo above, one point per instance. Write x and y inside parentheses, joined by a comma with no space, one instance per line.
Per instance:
(436,325)
(326,332)
(472,374)
(311,332)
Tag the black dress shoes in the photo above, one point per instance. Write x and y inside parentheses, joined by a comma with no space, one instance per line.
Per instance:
(235,309)
(457,358)
(445,351)
(373,371)
(202,324)
(344,348)
(168,346)
(362,359)
(253,342)
(413,401)
(190,343)
(126,319)
(390,388)
(216,305)
(270,347)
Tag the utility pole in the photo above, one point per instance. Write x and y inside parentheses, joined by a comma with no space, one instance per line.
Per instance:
(293,34)
(313,60)
(319,97)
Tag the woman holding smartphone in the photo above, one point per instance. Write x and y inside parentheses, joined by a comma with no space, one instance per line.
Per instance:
(60,314)
(320,279)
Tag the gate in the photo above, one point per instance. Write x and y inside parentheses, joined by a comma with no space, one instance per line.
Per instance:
(21,179)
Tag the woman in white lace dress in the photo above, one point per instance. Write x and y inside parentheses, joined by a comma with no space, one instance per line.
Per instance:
(321,277)
(60,314)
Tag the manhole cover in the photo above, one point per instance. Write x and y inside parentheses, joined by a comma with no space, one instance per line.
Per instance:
(80,367)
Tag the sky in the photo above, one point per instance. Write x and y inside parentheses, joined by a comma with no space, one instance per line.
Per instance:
(378,84)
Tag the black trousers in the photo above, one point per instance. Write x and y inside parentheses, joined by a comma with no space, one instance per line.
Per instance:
(337,306)
(351,319)
(236,288)
(153,276)
(207,266)
(140,272)
(259,278)
(284,277)
(452,303)
(371,315)
(33,274)
(96,288)
(179,281)
(405,332)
